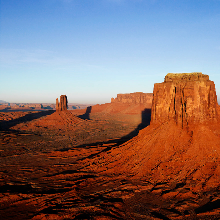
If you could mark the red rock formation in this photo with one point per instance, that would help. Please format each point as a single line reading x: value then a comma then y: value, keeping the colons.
x: 134, y: 98
x: 165, y: 172
x: 130, y: 103
x: 63, y: 103
x: 59, y: 120
x: 186, y: 98
x: 182, y: 142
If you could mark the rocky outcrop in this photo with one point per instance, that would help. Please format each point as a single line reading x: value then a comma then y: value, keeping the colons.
x: 128, y: 103
x: 62, y: 105
x: 133, y: 98
x: 183, y: 139
x: 185, y: 98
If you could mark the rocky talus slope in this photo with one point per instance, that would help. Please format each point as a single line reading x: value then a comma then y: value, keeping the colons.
x: 179, y: 153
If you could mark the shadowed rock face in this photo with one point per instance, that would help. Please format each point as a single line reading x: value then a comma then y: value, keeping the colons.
x: 62, y: 105
x: 187, y: 98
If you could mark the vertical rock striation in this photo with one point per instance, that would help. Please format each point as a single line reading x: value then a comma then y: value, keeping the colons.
x: 185, y: 98
x: 62, y: 105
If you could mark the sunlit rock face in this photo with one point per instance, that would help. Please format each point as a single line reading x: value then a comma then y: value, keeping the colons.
x: 134, y: 98
x: 185, y: 98
x: 63, y: 104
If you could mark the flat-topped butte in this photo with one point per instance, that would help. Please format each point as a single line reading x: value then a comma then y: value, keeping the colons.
x: 195, y: 76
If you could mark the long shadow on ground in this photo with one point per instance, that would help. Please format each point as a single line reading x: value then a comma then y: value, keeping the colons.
x: 86, y: 116
x: 6, y: 125
x: 146, y: 117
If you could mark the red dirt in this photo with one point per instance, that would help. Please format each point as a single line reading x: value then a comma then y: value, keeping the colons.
x: 169, y: 170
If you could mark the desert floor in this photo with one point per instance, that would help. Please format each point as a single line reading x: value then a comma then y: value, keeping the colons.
x: 45, y: 171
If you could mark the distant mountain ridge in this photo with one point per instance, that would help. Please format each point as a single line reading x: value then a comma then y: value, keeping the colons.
x: 1, y: 101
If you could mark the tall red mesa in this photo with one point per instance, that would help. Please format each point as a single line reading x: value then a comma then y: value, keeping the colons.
x: 187, y: 98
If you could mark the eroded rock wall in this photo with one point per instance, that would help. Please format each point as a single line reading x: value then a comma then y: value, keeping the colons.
x: 134, y: 98
x: 185, y: 98
x: 62, y: 105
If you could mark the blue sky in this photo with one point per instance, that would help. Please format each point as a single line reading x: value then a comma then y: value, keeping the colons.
x: 91, y: 50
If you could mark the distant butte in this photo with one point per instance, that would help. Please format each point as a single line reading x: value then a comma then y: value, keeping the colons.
x: 62, y: 105
x: 134, y: 98
x: 128, y: 103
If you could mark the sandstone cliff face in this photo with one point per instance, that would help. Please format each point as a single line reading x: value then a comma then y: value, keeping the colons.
x: 134, y: 98
x: 185, y: 98
x: 62, y: 105
x: 181, y: 144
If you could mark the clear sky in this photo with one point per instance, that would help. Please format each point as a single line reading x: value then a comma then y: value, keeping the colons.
x: 91, y: 50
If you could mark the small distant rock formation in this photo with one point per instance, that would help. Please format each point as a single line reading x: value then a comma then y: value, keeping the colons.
x: 62, y: 105
x: 186, y: 97
x: 32, y: 106
x: 133, y: 98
